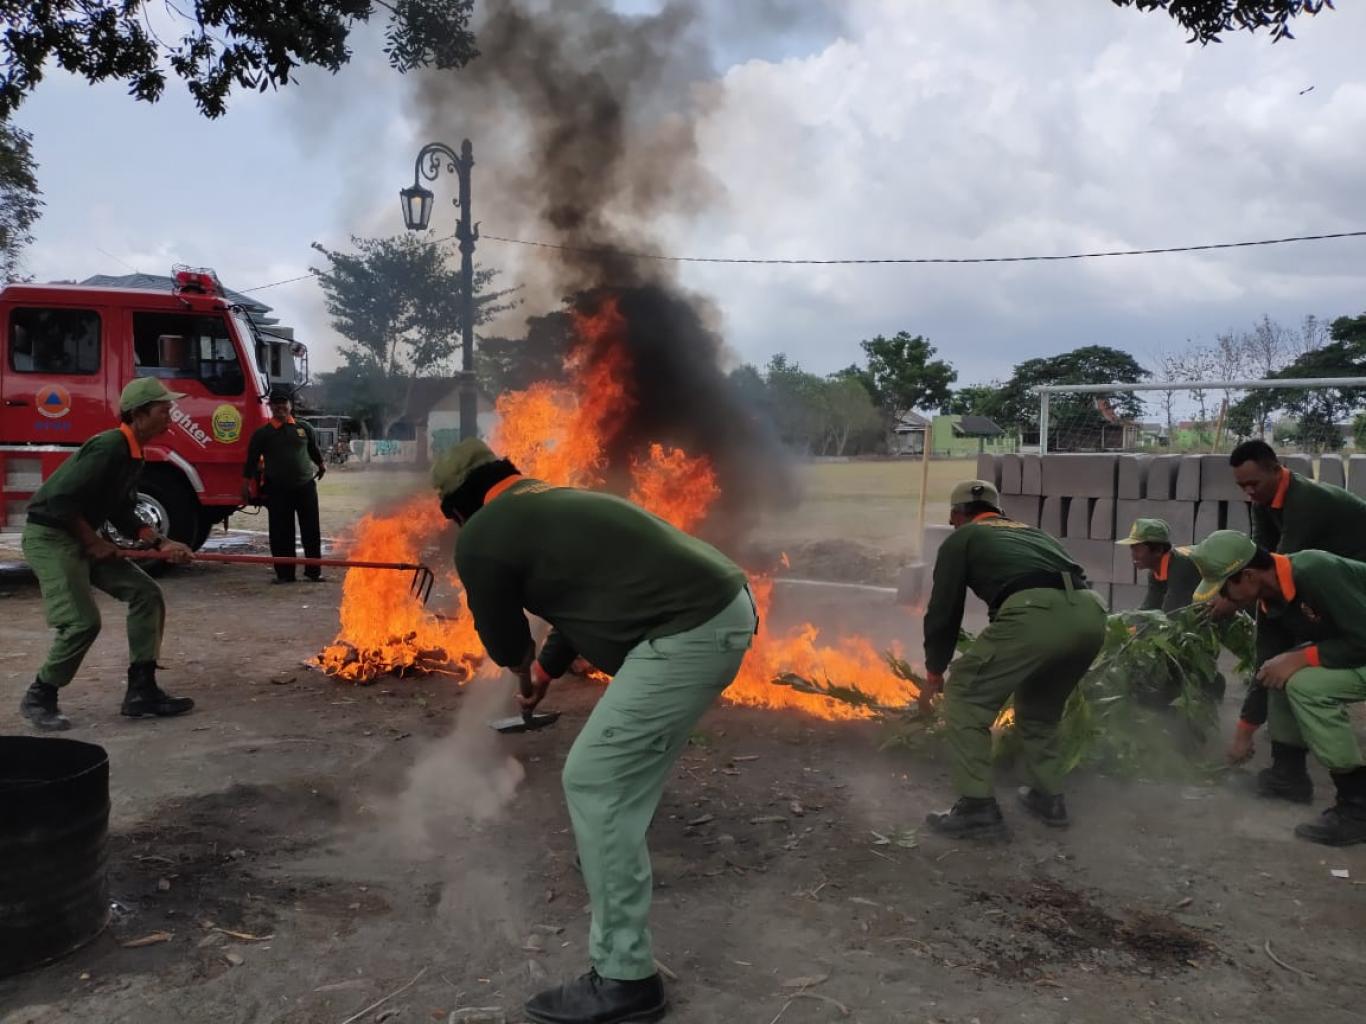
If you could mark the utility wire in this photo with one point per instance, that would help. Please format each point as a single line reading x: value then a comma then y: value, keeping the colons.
x: 588, y: 250
x: 925, y: 259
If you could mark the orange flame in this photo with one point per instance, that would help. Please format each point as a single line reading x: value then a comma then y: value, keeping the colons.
x: 561, y: 434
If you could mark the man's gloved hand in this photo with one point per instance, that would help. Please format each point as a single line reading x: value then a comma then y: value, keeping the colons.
x: 176, y: 552
x: 539, y: 684
x: 1241, y: 749
x: 934, y: 685
x: 246, y: 492
x: 321, y: 470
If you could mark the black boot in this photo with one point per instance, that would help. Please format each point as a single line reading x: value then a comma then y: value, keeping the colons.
x: 1051, y: 810
x: 145, y: 697
x: 593, y: 999
x: 1288, y: 777
x: 39, y: 706
x: 970, y: 818
x: 1343, y: 824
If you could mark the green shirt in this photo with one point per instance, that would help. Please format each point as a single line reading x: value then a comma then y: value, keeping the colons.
x: 986, y: 557
x: 1313, y: 515
x: 1172, y: 585
x: 97, y: 484
x: 603, y: 572
x: 1327, y: 609
x: 291, y: 454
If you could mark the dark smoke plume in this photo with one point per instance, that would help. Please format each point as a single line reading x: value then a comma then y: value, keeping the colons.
x: 583, y: 121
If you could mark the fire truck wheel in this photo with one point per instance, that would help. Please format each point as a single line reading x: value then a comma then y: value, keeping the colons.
x: 168, y: 505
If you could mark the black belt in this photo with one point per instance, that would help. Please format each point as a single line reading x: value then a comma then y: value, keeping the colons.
x: 1041, y: 580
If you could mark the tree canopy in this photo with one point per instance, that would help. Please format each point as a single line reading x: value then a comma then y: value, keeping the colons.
x: 398, y: 303
x: 1316, y: 411
x: 20, y: 205
x: 905, y: 375
x: 1016, y: 405
x: 1207, y: 20
x: 221, y: 44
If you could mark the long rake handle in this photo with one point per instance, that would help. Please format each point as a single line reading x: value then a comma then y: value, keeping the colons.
x: 274, y: 560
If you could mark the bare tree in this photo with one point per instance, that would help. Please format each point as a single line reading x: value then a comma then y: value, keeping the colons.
x: 1268, y: 347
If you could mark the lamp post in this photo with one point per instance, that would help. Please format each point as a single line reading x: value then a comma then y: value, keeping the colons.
x: 417, y: 213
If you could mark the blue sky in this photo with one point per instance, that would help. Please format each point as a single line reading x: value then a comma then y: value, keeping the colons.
x: 902, y: 128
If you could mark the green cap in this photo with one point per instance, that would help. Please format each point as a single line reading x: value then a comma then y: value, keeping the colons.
x: 1148, y: 531
x: 976, y: 490
x: 453, y: 467
x: 143, y: 391
x: 1219, y: 556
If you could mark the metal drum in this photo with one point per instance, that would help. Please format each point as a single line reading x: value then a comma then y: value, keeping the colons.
x: 54, y: 833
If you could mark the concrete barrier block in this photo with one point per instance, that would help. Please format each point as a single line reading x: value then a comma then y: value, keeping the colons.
x: 1126, y: 597
x: 1078, y: 522
x: 1031, y: 474
x: 989, y: 469
x: 1161, y: 477
x: 1122, y: 566
x: 1022, y: 507
x: 1051, y: 518
x: 932, y: 539
x: 1096, y: 557
x: 1332, y: 471
x: 1206, y: 519
x: 1238, y: 516
x: 1187, y: 486
x: 1011, y: 469
x: 1180, y: 516
x: 1356, y: 475
x: 1103, y: 523
x: 1298, y: 463
x: 1133, y: 476
x: 1081, y: 476
x: 1216, y: 479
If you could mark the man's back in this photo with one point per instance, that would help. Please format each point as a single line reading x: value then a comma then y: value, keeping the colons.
x: 1313, y: 516
x: 604, y: 572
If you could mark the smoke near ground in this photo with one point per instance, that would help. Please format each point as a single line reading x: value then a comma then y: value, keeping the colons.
x: 583, y: 120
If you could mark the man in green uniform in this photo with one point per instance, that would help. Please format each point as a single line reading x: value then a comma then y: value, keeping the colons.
x: 1172, y: 577
x: 669, y: 617
x: 1046, y: 628
x: 1316, y: 602
x: 283, y: 456
x: 1290, y: 513
x: 96, y: 485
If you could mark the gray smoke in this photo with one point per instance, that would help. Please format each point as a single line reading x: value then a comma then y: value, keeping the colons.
x: 584, y: 125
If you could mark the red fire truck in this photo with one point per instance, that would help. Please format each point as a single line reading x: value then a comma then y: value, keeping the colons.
x: 68, y: 350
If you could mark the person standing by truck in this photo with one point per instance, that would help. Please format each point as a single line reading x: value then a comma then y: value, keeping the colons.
x: 61, y: 543
x: 285, y: 461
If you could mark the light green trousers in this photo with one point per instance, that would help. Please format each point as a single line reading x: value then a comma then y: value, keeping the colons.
x: 1038, y: 648
x: 65, y: 576
x: 615, y: 773
x: 1312, y: 712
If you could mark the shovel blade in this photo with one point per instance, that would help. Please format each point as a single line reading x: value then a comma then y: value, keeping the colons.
x: 521, y: 723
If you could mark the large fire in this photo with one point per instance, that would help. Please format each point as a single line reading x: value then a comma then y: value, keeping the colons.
x: 561, y: 434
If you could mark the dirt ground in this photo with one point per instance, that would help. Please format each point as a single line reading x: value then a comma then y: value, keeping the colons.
x: 356, y: 839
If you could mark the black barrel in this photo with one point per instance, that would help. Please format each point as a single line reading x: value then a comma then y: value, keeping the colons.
x: 54, y: 835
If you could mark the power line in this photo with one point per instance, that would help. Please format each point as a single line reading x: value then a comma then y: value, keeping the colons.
x: 590, y: 251
x: 923, y: 259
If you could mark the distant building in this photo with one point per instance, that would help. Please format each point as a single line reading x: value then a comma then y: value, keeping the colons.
x: 950, y: 436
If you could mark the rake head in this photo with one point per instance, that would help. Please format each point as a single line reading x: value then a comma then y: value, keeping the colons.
x: 423, y: 580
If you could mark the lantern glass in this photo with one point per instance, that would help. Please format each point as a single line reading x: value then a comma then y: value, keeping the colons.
x: 417, y: 207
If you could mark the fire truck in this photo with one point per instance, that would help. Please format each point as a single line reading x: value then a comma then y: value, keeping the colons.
x: 68, y: 350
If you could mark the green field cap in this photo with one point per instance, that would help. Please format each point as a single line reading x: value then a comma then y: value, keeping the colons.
x: 1148, y: 531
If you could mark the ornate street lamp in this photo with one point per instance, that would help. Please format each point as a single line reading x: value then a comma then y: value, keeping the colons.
x: 417, y: 214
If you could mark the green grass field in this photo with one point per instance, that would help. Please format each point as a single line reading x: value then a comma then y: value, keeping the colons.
x: 871, y: 503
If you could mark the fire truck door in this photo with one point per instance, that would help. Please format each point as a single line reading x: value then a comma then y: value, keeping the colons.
x: 54, y: 373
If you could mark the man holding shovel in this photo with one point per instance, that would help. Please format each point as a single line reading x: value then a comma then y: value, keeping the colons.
x: 668, y: 616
